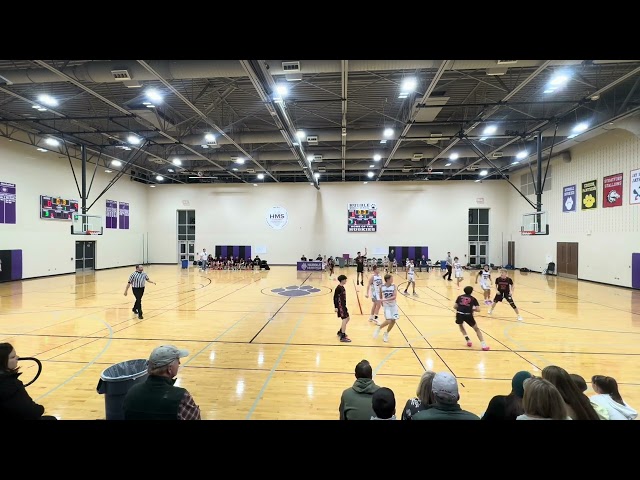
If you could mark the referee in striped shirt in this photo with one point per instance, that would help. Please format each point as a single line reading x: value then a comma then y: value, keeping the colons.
x: 136, y: 282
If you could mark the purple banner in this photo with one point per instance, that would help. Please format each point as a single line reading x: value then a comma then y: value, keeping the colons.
x: 569, y: 199
x: 309, y: 266
x: 112, y: 214
x: 123, y: 213
x: 7, y: 203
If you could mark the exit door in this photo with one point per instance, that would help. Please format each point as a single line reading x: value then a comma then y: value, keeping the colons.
x: 567, y: 263
x: 478, y: 253
x: 186, y: 250
x: 85, y: 256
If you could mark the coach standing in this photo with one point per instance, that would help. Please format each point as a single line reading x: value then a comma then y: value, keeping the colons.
x: 136, y: 282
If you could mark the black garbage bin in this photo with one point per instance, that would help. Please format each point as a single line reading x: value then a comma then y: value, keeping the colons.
x: 116, y: 381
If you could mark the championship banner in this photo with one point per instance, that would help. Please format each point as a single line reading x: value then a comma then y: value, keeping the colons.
x: 634, y: 187
x: 612, y: 191
x: 123, y: 214
x: 112, y: 214
x: 363, y: 217
x: 590, y: 195
x: 7, y: 202
x: 569, y: 203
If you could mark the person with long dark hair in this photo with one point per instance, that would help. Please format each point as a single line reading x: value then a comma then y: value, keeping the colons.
x: 15, y: 402
x: 508, y: 407
x: 609, y: 397
x: 578, y: 404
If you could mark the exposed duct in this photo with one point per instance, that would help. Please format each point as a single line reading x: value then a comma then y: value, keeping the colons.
x: 408, y: 153
x: 101, y: 72
x: 336, y: 166
x: 417, y: 133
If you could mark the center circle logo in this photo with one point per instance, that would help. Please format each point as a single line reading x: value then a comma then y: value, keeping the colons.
x: 277, y: 217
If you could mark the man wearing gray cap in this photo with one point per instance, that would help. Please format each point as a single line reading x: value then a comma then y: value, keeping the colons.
x: 157, y: 398
x: 446, y: 396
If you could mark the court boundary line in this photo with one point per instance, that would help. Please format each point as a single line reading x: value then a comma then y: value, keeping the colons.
x: 83, y: 368
x: 323, y: 372
x: 273, y: 370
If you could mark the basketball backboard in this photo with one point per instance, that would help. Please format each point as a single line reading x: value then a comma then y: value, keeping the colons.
x: 534, y: 223
x: 86, y: 224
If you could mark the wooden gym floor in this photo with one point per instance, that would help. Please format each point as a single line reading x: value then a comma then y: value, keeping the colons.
x: 256, y: 354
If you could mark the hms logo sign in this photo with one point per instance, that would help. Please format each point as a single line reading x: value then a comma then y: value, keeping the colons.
x: 277, y: 217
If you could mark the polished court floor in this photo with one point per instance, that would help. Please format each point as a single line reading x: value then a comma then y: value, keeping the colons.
x: 263, y: 345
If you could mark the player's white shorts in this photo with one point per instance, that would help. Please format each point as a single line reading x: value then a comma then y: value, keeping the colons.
x: 391, y: 312
x: 485, y: 285
x: 411, y: 278
x: 375, y: 295
x: 458, y: 274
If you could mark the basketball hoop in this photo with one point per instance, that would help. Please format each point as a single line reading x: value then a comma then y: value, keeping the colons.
x: 527, y: 232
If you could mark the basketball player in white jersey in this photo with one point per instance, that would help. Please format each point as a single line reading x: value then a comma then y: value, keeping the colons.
x: 485, y: 283
x: 389, y: 294
x: 457, y: 267
x: 375, y: 283
x: 411, y: 277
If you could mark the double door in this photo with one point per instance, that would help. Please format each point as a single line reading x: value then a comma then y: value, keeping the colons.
x: 567, y: 263
x: 478, y: 253
x: 85, y: 255
x: 187, y: 250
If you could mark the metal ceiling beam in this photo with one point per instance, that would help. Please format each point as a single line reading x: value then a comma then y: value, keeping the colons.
x: 345, y: 79
x: 434, y: 81
x: 265, y: 85
x: 559, y: 117
x: 483, y: 116
x: 60, y: 132
x: 206, y: 119
x: 126, y: 112
x: 574, y: 107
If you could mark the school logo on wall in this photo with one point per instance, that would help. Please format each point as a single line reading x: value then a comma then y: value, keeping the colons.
x: 634, y: 187
x: 277, y: 217
x: 590, y: 195
x: 612, y: 191
x: 569, y: 203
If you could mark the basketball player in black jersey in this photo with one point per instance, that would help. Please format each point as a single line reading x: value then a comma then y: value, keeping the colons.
x: 340, y: 305
x: 360, y: 259
x: 504, y: 285
x: 465, y: 306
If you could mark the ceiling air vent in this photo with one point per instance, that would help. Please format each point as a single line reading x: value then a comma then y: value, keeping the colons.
x: 406, y: 169
x: 317, y: 158
x: 251, y: 170
x: 121, y: 75
x: 507, y: 62
x: 292, y: 71
x: 497, y: 154
x: 417, y: 157
x: 312, y: 140
x: 322, y: 169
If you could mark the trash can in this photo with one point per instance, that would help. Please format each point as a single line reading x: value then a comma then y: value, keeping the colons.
x: 185, y: 263
x: 116, y: 381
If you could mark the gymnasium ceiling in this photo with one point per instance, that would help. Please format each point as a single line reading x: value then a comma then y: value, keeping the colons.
x: 342, y: 106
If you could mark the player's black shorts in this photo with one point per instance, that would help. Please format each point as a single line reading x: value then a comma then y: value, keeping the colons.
x: 465, y: 318
x: 499, y: 297
x: 345, y: 314
x: 359, y: 269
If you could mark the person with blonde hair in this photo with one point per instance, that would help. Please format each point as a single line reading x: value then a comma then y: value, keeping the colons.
x: 504, y: 287
x: 542, y: 401
x: 423, y: 398
x: 609, y: 397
